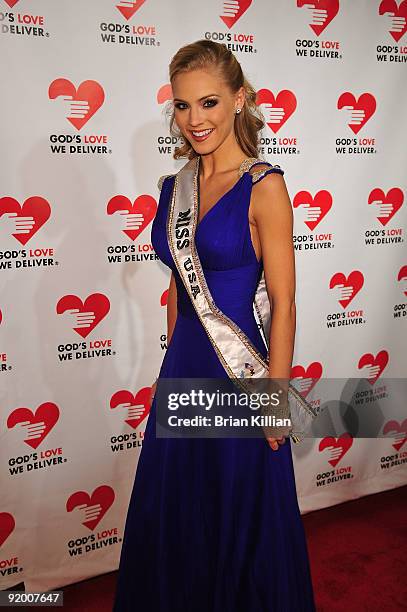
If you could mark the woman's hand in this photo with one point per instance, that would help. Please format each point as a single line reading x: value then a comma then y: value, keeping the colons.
x: 274, y: 442
x: 281, y: 411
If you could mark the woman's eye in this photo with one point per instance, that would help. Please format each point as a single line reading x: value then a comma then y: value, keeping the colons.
x: 207, y: 104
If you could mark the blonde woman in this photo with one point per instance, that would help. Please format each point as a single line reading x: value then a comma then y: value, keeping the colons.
x: 213, y: 524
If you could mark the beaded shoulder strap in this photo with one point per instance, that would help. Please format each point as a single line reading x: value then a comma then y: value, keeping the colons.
x: 162, y: 179
x: 245, y: 166
x: 248, y: 164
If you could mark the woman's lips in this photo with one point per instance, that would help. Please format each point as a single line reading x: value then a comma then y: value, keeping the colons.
x: 201, y: 135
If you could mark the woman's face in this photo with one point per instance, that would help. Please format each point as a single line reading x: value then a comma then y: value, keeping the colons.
x: 205, y: 109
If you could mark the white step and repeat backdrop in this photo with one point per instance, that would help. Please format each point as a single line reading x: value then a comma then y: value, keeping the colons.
x: 82, y: 303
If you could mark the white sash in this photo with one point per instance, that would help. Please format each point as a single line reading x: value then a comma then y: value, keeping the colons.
x: 235, y: 350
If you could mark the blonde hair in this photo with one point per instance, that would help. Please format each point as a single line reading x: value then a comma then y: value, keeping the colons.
x: 207, y: 53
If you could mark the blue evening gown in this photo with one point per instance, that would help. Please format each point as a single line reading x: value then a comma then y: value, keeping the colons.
x: 213, y: 525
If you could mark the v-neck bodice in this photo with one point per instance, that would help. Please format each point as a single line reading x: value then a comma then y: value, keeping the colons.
x: 241, y: 171
x: 227, y: 193
x: 224, y: 246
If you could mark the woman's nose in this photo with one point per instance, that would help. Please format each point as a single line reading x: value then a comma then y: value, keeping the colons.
x: 195, y: 116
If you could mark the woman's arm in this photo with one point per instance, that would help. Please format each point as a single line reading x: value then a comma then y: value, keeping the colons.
x: 171, y: 308
x: 272, y: 212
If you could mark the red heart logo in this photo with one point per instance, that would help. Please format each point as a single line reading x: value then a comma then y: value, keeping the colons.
x: 390, y: 6
x: 144, y: 204
x: 344, y: 442
x: 45, y: 416
x: 126, y: 397
x: 381, y: 360
x: 128, y: 11
x: 90, y: 91
x: 97, y: 303
x: 366, y: 102
x: 7, y: 525
x: 394, y: 196
x: 354, y: 280
x: 322, y: 200
x: 314, y: 371
x: 401, y: 276
x: 103, y: 497
x: 285, y: 99
x: 164, y: 298
x: 164, y: 93
x: 398, y: 428
x: 330, y: 6
x: 35, y: 207
x: 11, y: 3
x: 233, y: 11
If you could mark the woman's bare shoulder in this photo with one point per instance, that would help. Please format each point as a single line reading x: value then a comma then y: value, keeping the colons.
x: 270, y: 198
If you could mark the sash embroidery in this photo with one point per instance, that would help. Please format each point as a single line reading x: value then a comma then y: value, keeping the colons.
x: 240, y: 358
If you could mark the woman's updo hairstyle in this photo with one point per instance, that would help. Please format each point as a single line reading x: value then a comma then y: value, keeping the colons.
x: 204, y: 54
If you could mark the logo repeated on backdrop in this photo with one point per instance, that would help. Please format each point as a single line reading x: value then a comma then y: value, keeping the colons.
x: 83, y: 317
x: 371, y: 366
x: 305, y: 379
x: 400, y: 309
x: 133, y: 409
x: 402, y: 277
x: 32, y: 427
x: 125, y: 33
x: 132, y: 219
x: 310, y: 211
x: 10, y: 565
x: 375, y: 400
x: 22, y: 24
x: 357, y: 111
x: 383, y: 207
x: 399, y: 431
x: 230, y: 12
x: 333, y: 450
x: 90, y: 510
x: 345, y: 289
x: 394, y: 18
x: 78, y: 105
x: 7, y: 526
x: 128, y: 9
x: 166, y: 144
x: 21, y: 222
x: 277, y: 109
x: 318, y: 15
x: 396, y: 431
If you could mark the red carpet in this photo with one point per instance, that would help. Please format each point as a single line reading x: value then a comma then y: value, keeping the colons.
x: 357, y: 551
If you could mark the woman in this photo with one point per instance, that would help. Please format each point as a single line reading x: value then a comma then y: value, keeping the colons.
x: 213, y: 524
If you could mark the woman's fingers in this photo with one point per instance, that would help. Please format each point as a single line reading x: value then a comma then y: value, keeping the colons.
x: 274, y: 442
